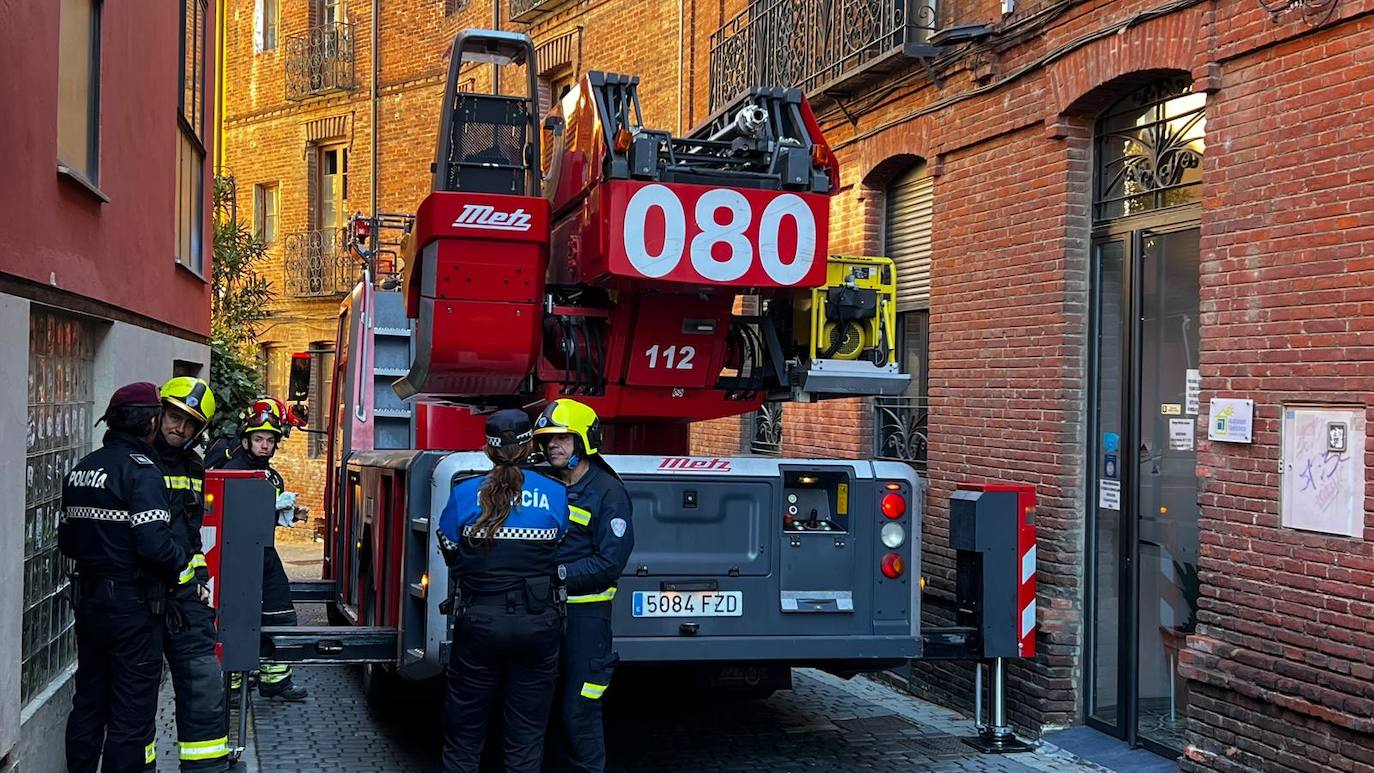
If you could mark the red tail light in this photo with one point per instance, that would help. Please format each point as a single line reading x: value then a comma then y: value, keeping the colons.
x: 893, y: 566
x: 894, y: 506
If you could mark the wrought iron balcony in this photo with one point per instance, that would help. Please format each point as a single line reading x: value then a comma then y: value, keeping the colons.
x: 318, y: 265
x: 816, y: 45
x: 320, y: 61
x: 529, y: 11
x: 900, y: 429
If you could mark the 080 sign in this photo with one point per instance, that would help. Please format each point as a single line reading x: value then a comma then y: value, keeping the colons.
x: 699, y: 235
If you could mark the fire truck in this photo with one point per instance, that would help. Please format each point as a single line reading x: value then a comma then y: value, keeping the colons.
x: 663, y: 281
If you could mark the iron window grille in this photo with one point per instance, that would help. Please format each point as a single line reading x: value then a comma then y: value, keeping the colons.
x: 765, y: 437
x: 900, y: 429
x: 526, y: 11
x: 1149, y: 150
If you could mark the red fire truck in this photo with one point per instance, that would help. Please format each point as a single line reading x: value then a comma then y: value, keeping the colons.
x: 663, y: 281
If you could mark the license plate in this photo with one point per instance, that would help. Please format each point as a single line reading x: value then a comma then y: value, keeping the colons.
x: 696, y: 603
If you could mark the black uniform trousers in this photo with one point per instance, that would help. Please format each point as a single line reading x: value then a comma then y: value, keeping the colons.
x: 118, y: 667
x: 587, y: 664
x: 505, y: 649
x: 277, y: 609
x: 202, y: 725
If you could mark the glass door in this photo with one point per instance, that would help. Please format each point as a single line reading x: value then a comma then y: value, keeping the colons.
x: 1143, y: 499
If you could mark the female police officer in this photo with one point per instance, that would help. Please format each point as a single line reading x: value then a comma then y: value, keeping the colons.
x: 499, y: 534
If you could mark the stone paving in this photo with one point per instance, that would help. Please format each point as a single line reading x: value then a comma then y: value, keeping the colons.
x: 824, y: 723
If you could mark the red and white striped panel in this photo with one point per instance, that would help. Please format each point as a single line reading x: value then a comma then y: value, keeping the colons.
x: 1025, y: 550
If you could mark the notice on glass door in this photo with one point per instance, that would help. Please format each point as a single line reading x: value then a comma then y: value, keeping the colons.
x: 1181, y: 434
x: 1109, y: 494
x: 1192, y: 392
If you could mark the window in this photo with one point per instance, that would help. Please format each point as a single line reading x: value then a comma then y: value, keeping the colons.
x: 1149, y: 150
x: 265, y: 19
x: 61, y: 404
x: 266, y: 204
x: 273, y: 362
x: 190, y: 169
x: 329, y: 11
x: 78, y: 89
x: 186, y: 368
x: 332, y: 188
x: 454, y: 6
x: 321, y: 382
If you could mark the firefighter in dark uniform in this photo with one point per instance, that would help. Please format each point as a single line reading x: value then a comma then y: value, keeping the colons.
x: 499, y: 535
x: 591, y: 559
x: 188, y: 406
x: 116, y: 527
x: 259, y: 436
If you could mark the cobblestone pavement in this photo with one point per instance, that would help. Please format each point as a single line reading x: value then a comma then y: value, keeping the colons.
x: 824, y: 723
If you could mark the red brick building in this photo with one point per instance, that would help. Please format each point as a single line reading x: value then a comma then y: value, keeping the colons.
x: 104, y: 270
x: 1109, y: 216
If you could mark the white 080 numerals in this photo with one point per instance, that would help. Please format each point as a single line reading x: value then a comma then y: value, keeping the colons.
x: 674, y: 358
x: 731, y: 234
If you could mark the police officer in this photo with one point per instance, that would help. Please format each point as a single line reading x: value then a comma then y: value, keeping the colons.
x: 260, y: 435
x: 188, y: 405
x: 115, y: 527
x: 499, y: 534
x: 591, y: 558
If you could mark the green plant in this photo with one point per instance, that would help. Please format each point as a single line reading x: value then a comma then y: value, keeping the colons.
x: 239, y: 299
x: 1191, y: 585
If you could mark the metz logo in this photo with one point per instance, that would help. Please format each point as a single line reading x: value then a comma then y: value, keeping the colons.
x: 487, y: 217
x: 687, y: 464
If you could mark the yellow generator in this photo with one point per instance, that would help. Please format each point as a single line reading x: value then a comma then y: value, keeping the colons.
x: 848, y: 328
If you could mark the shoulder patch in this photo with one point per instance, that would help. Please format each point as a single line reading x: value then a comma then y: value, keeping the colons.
x: 141, y: 460
x: 618, y: 526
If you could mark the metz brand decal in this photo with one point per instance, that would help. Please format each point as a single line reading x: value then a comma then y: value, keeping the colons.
x: 490, y: 218
x: 688, y: 464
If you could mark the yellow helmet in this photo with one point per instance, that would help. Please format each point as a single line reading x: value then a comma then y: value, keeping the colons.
x: 191, y: 395
x: 569, y: 417
x: 264, y: 416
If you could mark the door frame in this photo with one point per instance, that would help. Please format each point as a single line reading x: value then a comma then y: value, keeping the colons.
x: 1131, y: 231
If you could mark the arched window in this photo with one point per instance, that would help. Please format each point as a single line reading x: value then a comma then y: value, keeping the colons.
x: 1149, y: 151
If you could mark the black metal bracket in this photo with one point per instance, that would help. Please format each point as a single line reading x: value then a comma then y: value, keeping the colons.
x: 312, y: 591
x: 329, y: 645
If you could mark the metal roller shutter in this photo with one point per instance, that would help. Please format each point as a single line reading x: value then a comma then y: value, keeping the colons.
x: 907, y: 235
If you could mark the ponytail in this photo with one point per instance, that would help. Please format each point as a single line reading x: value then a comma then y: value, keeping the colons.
x: 499, y: 492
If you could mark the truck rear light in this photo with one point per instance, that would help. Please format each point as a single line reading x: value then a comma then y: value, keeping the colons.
x: 893, y: 566
x: 894, y: 506
x: 893, y: 535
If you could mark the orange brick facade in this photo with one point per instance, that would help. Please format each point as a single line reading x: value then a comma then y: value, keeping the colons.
x: 1279, y: 668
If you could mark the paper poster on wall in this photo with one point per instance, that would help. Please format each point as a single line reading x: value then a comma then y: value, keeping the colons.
x: 1192, y: 392
x: 1109, y: 494
x: 1230, y: 420
x: 1322, y: 485
x: 1181, y: 434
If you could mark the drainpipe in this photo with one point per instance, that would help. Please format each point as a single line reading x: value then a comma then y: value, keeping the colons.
x: 376, y: 97
x: 496, y: 68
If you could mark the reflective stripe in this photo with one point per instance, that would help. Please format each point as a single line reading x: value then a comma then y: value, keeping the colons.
x: 605, y: 595
x: 197, y: 561
x: 177, y: 481
x: 95, y: 514
x: 446, y: 543
x: 188, y: 574
x: 593, y: 691
x: 272, y: 673
x: 150, y: 516
x: 205, y: 750
x: 579, y: 516
x: 513, y: 533
x: 150, y: 753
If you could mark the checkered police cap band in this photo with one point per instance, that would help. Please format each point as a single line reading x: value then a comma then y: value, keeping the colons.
x: 509, y: 439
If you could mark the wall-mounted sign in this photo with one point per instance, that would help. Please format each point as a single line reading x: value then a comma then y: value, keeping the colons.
x: 1171, y: 409
x: 1192, y: 391
x: 1322, y: 485
x: 1231, y: 420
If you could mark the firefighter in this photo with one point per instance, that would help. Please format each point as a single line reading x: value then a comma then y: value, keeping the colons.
x: 259, y: 436
x: 591, y: 559
x: 499, y: 534
x: 115, y: 527
x: 188, y: 406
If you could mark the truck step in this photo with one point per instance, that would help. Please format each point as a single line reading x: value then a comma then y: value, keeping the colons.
x: 312, y: 591
x: 330, y: 645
